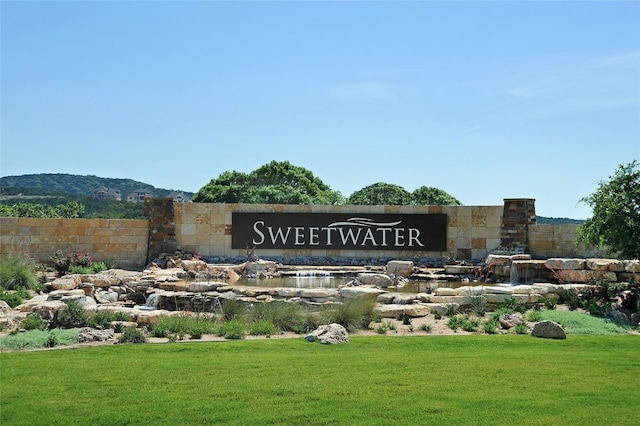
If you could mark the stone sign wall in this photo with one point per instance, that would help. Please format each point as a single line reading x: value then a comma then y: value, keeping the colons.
x: 118, y: 242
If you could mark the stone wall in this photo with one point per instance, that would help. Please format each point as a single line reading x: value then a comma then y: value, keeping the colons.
x: 547, y: 241
x: 121, y: 242
x: 472, y: 231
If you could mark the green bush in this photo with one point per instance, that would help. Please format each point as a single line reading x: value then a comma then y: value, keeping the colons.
x: 455, y: 322
x: 263, y: 327
x: 74, y: 315
x: 76, y: 263
x: 102, y: 319
x: 490, y: 327
x: 511, y: 305
x: 39, y: 339
x: 548, y: 302
x: 426, y: 328
x: 471, y: 324
x: 355, y: 313
x: 18, y: 270
x: 572, y: 299
x: 534, y: 316
x: 132, y: 335
x: 284, y: 315
x: 14, y: 298
x: 231, y: 309
x: 34, y: 321
x: 233, y: 329
x: 181, y: 325
x: 521, y: 329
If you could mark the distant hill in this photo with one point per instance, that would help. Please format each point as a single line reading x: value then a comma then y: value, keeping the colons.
x: 79, y: 185
x: 541, y: 220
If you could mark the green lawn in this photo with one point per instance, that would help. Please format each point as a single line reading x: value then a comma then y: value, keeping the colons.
x: 379, y: 380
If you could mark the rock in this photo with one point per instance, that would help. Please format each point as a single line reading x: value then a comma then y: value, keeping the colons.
x: 605, y: 265
x: 471, y: 290
x: 330, y: 334
x: 351, y: 292
x: 68, y: 282
x: 459, y: 269
x: 92, y: 335
x: 443, y: 308
x: 585, y: 276
x: 508, y: 321
x: 106, y: 296
x: 549, y: 330
x: 5, y: 309
x: 564, y: 264
x: 635, y: 318
x: 194, y: 265
x: 618, y: 316
x: 378, y: 280
x: 260, y: 268
x: 631, y: 265
x: 402, y: 268
x: 445, y: 291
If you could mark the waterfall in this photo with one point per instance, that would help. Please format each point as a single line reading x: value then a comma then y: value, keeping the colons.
x: 313, y: 273
x: 514, y: 275
x: 152, y: 301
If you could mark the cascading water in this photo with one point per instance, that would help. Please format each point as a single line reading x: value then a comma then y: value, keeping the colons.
x: 152, y: 302
x: 514, y: 275
x: 313, y: 279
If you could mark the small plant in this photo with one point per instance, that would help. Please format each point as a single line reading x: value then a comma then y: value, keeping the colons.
x: 534, y: 316
x: 521, y: 329
x: 437, y: 315
x: 470, y: 324
x: 355, y: 313
x: 406, y: 319
x: 384, y: 327
x: 52, y: 341
x: 548, y: 302
x: 511, y: 305
x: 263, y: 328
x: 572, y: 299
x: 426, y: 328
x: 231, y: 309
x: 410, y: 328
x: 490, y: 327
x: 76, y: 263
x: 34, y: 321
x: 455, y: 322
x: 74, y: 315
x: 478, y: 305
x: 132, y: 335
x: 14, y: 298
x: 233, y: 329
x: 18, y: 270
x: 450, y: 309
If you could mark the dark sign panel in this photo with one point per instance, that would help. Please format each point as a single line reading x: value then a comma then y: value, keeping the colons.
x: 338, y: 231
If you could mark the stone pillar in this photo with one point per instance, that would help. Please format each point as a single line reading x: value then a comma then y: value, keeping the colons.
x: 517, y: 215
x: 162, y: 226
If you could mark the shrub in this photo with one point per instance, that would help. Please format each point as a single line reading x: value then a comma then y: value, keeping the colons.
x: 478, y: 305
x: 548, y: 302
x: 511, y: 305
x: 14, y: 298
x: 132, y: 335
x: 455, y: 322
x: 406, y: 319
x: 355, y: 313
x: 74, y: 315
x: 195, y: 326
x: 18, y: 270
x: 76, y: 263
x: 231, y: 309
x: 283, y: 315
x: 470, y: 324
x: 385, y: 326
x: 34, y: 321
x: 263, y: 327
x: 534, y: 316
x: 521, y: 329
x: 233, y: 329
x: 490, y: 327
x: 425, y: 327
x: 572, y: 299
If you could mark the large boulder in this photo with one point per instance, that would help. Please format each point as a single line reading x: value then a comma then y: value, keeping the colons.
x: 378, y: 280
x: 549, y: 330
x: 565, y: 264
x: 605, y: 265
x: 400, y: 268
x: 88, y: 334
x: 508, y: 321
x: 329, y: 334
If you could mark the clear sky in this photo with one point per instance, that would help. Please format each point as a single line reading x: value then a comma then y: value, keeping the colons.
x: 484, y: 100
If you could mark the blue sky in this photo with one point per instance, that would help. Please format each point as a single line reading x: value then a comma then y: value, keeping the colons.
x: 485, y: 100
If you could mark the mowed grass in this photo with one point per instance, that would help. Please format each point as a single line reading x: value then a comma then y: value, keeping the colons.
x: 376, y: 380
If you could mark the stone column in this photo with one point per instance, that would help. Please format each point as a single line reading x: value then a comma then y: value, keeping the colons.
x: 162, y: 226
x: 517, y: 215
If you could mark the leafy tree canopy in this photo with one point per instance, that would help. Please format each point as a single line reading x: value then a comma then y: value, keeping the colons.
x: 273, y: 183
x: 381, y: 193
x: 71, y: 209
x: 616, y: 213
x: 429, y: 196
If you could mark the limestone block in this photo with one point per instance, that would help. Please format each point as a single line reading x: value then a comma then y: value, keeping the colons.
x: 497, y: 260
x: 497, y: 298
x: 565, y: 264
x: 397, y: 310
x: 329, y: 334
x: 351, y: 292
x: 423, y: 297
x: 285, y: 292
x: 631, y: 265
x: 522, y: 289
x: 379, y: 280
x: 458, y: 300
x: 401, y: 268
x: 459, y: 269
x: 549, y: 330
x: 605, y: 265
x: 386, y: 298
x: 317, y: 293
x: 585, y: 276
x: 471, y: 290
x: 508, y: 290
x: 443, y: 308
x: 544, y: 288
x: 68, y: 282
x: 445, y: 291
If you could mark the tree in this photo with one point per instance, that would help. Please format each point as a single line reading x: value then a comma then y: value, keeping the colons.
x: 381, y: 194
x: 272, y: 183
x: 429, y: 196
x: 615, y: 224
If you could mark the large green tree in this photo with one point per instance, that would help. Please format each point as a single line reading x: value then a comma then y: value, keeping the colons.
x: 274, y: 183
x: 430, y: 196
x: 381, y: 193
x: 615, y: 224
